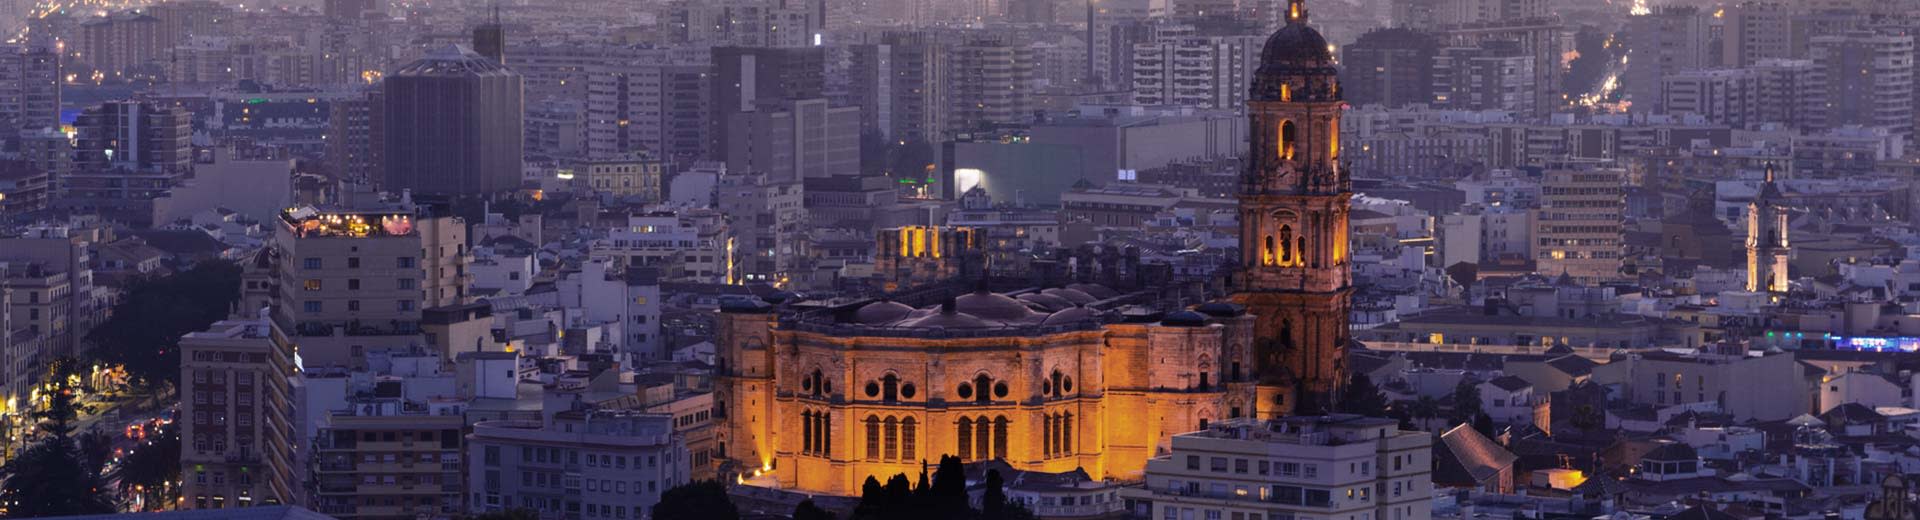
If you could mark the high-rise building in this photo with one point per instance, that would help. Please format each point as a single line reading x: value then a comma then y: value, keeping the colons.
x: 627, y: 459
x: 1767, y: 247
x: 30, y: 79
x: 1545, y: 39
x: 125, y: 155
x: 1336, y: 466
x: 1725, y: 96
x: 1578, y: 230
x: 749, y: 79
x: 113, y: 44
x: 900, y: 85
x: 1664, y: 43
x: 1494, y: 75
x: 237, y: 413
x: 1786, y: 90
x: 1392, y: 67
x: 1197, y: 71
x: 1294, y: 276
x: 1868, y: 80
x: 1757, y: 30
x: 453, y: 125
x: 769, y: 217
x: 806, y: 140
x: 348, y: 279
x: 355, y: 136
x: 991, y: 83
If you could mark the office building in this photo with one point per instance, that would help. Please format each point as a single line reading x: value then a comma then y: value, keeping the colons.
x: 1336, y: 466
x: 1665, y: 42
x: 30, y: 79
x: 749, y: 79
x: 807, y: 139
x: 1868, y: 80
x: 1729, y: 97
x: 237, y: 413
x: 1391, y: 67
x: 992, y: 83
x: 452, y: 125
x: 1494, y: 75
x: 614, y: 463
x: 1578, y: 230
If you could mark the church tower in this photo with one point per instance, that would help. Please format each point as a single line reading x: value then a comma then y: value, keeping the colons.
x: 1767, y: 247
x: 1294, y: 195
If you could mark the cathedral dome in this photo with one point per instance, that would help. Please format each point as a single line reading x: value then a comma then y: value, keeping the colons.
x: 1184, y: 319
x: 992, y: 306
x: 1075, y: 296
x: 1296, y: 45
x: 1048, y: 301
x: 877, y: 313
x: 1094, y: 290
x: 1068, y: 316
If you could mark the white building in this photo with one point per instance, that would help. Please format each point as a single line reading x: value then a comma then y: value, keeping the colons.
x: 1339, y: 466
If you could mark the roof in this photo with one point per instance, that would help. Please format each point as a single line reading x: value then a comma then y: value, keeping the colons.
x: 182, y: 243
x: 1701, y: 512
x: 241, y: 513
x: 1465, y: 457
x: 1852, y: 413
x: 1510, y: 383
x: 1572, y: 365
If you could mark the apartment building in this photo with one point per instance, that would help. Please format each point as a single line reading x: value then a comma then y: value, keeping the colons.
x: 236, y: 417
x: 608, y: 464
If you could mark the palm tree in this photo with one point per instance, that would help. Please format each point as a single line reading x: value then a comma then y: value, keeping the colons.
x: 152, y: 469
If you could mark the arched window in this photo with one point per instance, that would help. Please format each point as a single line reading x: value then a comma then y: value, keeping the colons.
x: 1046, y: 436
x: 982, y: 442
x: 1000, y: 438
x: 889, y: 388
x: 965, y: 435
x: 806, y: 433
x: 1286, y: 236
x: 1287, y: 136
x: 1066, y: 434
x: 1204, y: 384
x: 1300, y: 250
x: 981, y: 384
x: 1267, y: 254
x: 873, y: 437
x: 893, y: 439
x: 826, y: 435
x: 907, y: 439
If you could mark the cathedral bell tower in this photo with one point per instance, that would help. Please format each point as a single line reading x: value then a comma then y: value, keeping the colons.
x: 1294, y: 195
x: 1767, y: 248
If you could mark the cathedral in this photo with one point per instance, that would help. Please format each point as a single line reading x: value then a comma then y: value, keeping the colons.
x: 1093, y: 364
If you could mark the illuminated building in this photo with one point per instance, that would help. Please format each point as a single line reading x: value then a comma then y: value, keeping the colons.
x: 1294, y: 203
x: 1337, y: 466
x: 635, y: 175
x: 1767, y: 249
x: 346, y: 281
x: 237, y: 446
x: 1073, y: 370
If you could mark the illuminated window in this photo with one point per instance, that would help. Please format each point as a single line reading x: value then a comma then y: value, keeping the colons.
x: 1287, y: 136
x: 1436, y: 338
x: 311, y: 285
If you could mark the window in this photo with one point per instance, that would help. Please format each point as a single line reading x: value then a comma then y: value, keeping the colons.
x: 310, y: 263
x: 310, y: 306
x: 353, y: 262
x: 404, y: 262
x: 1217, y: 464
x: 353, y: 284
x: 1240, y: 466
x: 311, y: 285
x: 405, y: 283
x: 353, y: 305
x: 404, y: 305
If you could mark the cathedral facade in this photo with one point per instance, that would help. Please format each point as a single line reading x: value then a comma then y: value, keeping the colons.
x: 1098, y: 373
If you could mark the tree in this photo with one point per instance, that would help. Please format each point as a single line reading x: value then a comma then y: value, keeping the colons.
x: 51, y: 478
x: 994, y: 504
x: 807, y: 511
x: 1466, y: 402
x: 702, y: 500
x: 153, y: 467
x: 144, y: 332
x: 1483, y: 424
x: 1361, y: 397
